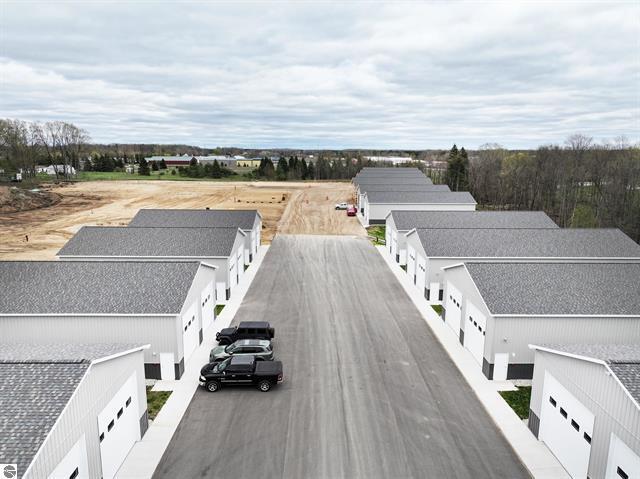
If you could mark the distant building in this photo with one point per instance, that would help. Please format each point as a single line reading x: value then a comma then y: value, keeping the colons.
x: 60, y: 169
x: 249, y: 163
x: 396, y: 160
x: 227, y: 161
x: 182, y: 160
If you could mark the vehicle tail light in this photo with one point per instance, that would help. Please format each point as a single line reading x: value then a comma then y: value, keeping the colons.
x: 280, y: 378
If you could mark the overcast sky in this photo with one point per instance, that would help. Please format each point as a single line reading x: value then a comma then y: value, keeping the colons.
x: 325, y: 75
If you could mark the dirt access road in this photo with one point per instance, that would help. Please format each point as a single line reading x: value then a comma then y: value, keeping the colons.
x: 289, y: 207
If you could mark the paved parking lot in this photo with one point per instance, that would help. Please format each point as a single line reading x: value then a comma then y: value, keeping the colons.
x: 368, y: 392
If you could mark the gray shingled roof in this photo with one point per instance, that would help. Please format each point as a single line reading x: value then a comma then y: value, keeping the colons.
x: 36, y: 383
x: 403, y: 187
x: 407, y: 220
x: 528, y: 243
x: 629, y: 375
x: 120, y: 241
x: 599, y: 289
x: 409, y: 180
x: 401, y: 171
x: 94, y: 287
x: 623, y: 360
x: 243, y: 219
x: 33, y: 396
x: 416, y: 197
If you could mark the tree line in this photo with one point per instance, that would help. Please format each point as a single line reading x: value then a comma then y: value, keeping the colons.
x: 24, y: 145
x: 578, y: 184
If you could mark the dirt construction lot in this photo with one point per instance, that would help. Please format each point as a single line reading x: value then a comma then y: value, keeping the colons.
x: 287, y: 207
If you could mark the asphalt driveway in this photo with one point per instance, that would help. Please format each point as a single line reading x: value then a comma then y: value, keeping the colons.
x: 368, y: 391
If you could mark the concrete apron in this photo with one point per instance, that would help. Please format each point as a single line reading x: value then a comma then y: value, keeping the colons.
x: 535, y: 456
x: 144, y: 457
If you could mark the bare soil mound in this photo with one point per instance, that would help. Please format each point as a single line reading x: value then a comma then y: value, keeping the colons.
x: 14, y: 199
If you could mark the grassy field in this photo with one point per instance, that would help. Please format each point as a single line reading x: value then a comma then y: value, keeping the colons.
x: 155, y: 401
x: 437, y: 308
x: 518, y: 400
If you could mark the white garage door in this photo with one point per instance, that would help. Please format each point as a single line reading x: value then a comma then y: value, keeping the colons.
x: 474, y: 332
x: 421, y: 273
x: 394, y: 245
x: 566, y: 427
x: 208, y: 305
x: 453, y: 308
x: 190, y: 331
x: 233, y: 275
x: 254, y: 246
x: 240, y: 263
x: 118, y: 427
x: 75, y: 463
x: 622, y: 462
x: 411, y: 263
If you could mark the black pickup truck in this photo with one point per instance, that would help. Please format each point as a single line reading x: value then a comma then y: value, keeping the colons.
x: 241, y: 371
x: 246, y: 330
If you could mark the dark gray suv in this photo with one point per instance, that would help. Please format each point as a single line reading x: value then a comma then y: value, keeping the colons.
x: 259, y: 348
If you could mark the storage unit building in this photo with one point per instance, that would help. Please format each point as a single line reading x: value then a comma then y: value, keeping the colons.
x: 585, y: 406
x: 220, y: 247
x: 249, y: 221
x: 164, y: 304
x: 430, y: 250
x: 378, y: 204
x: 400, y: 222
x: 498, y: 309
x: 368, y: 187
x: 70, y: 410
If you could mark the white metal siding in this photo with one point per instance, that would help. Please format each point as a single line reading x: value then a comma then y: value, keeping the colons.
x: 94, y: 392
x: 520, y: 332
x: 613, y: 409
x: 159, y: 331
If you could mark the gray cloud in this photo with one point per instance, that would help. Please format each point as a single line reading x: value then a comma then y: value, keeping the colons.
x: 324, y: 74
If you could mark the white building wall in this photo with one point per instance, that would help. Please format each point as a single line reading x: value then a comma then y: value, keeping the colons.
x: 80, y: 417
x: 514, y: 334
x: 600, y: 392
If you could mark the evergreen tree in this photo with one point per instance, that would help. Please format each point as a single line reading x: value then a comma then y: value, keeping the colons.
x: 163, y: 164
x: 282, y: 169
x: 453, y: 168
x: 154, y: 166
x: 143, y: 169
x: 87, y: 165
x: 311, y: 171
x: 304, y: 169
x: 266, y: 169
x: 216, y: 170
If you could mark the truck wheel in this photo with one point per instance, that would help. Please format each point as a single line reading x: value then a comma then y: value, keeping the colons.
x: 213, y: 386
x: 264, y: 385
